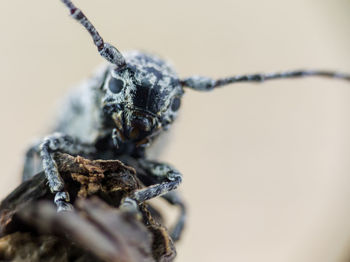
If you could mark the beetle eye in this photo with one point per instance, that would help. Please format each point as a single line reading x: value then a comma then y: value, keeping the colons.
x: 175, y: 104
x: 115, y: 85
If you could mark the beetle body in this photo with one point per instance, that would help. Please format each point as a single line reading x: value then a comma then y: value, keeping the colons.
x: 121, y: 110
x: 116, y: 114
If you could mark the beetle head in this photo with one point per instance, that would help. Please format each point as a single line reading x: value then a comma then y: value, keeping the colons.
x: 143, y: 97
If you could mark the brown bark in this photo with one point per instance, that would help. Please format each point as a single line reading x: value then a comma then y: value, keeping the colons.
x: 32, y: 230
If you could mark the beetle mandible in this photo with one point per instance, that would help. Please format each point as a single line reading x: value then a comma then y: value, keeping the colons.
x: 121, y: 110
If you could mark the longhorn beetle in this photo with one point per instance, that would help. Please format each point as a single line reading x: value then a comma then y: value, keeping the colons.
x: 121, y: 110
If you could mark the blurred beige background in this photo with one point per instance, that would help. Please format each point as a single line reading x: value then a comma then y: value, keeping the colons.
x: 267, y: 171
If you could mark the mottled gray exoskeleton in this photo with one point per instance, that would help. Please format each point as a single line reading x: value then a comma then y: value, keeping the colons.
x: 121, y: 110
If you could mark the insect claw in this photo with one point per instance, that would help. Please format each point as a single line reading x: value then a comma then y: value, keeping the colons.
x: 65, y: 207
x: 130, y: 206
x: 62, y: 201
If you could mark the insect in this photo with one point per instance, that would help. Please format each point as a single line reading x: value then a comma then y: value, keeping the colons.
x: 122, y: 110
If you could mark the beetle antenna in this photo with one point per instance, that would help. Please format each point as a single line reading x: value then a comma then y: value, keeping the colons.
x: 201, y: 83
x: 107, y: 51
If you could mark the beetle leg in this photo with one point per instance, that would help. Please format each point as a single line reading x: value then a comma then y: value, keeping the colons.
x: 165, y: 179
x: 59, y: 143
x: 174, y: 198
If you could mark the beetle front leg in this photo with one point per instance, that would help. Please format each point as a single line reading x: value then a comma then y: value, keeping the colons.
x: 59, y: 143
x: 165, y: 179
